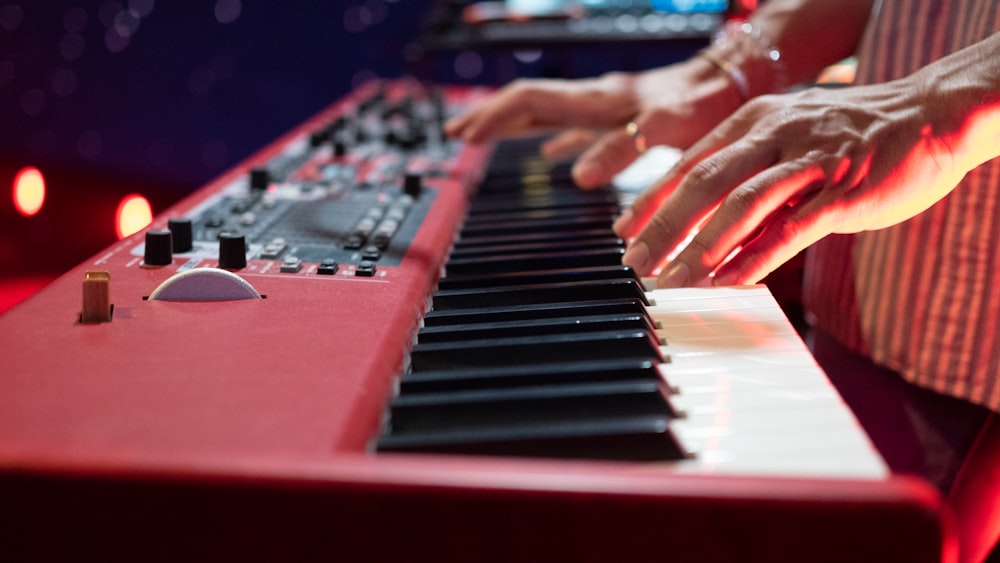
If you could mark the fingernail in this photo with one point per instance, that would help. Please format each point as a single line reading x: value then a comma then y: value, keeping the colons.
x: 676, y: 275
x: 587, y: 172
x: 723, y: 280
x: 622, y: 223
x: 637, y: 256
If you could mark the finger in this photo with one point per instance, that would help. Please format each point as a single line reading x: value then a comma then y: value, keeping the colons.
x: 528, y: 104
x: 788, y: 233
x: 508, y: 110
x: 455, y: 126
x: 497, y: 122
x: 609, y: 155
x: 458, y: 125
x: 700, y: 191
x: 646, y: 204
x: 568, y: 143
x: 741, y: 213
x: 620, y: 147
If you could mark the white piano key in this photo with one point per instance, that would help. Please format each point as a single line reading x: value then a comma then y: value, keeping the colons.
x: 754, y: 400
x: 717, y: 378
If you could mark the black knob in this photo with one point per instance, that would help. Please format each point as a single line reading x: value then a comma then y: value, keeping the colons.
x: 410, y: 137
x: 317, y: 138
x: 158, y: 248
x: 438, y: 103
x: 182, y: 232
x: 232, y: 251
x: 339, y: 149
x: 260, y: 178
x: 413, y: 184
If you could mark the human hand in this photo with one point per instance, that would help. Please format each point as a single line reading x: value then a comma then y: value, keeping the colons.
x: 785, y: 171
x: 674, y: 106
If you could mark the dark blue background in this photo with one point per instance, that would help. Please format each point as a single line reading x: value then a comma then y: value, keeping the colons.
x: 188, y: 95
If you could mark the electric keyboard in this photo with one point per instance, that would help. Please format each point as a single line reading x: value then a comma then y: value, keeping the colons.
x: 329, y: 352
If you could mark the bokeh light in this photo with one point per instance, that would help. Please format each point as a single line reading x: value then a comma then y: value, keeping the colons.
x: 29, y: 191
x: 133, y: 215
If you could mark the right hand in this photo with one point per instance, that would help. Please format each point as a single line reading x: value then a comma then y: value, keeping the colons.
x: 674, y: 105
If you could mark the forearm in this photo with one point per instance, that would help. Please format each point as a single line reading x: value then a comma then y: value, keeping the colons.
x: 813, y: 34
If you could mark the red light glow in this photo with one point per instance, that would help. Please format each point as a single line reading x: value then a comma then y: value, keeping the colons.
x: 134, y: 214
x: 29, y: 191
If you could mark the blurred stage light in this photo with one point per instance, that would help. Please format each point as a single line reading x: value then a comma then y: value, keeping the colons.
x: 29, y: 191
x: 134, y: 213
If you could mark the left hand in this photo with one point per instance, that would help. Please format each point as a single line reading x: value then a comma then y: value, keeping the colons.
x: 673, y: 105
x: 784, y: 171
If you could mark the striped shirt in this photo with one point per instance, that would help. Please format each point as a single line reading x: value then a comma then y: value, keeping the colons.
x: 922, y: 297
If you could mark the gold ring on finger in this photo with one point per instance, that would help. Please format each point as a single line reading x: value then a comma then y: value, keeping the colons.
x: 638, y: 139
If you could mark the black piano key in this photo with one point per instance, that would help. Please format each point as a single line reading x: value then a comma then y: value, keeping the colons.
x: 587, y: 290
x: 518, y: 406
x: 524, y: 185
x: 528, y: 146
x: 535, y: 173
x: 562, y: 325
x: 538, y: 276
x: 530, y: 374
x: 571, y: 198
x: 525, y: 147
x: 532, y: 237
x: 537, y: 311
x: 512, y: 177
x: 533, y: 349
x: 607, y: 243
x: 541, y: 196
x: 536, y: 261
x: 628, y: 439
x: 541, y: 214
x: 517, y: 156
x: 569, y: 223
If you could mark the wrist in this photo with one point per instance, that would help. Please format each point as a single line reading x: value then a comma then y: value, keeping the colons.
x: 748, y: 59
x: 961, y: 97
x: 710, y: 81
x: 973, y: 133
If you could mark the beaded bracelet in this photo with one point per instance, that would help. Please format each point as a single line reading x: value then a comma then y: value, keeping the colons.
x: 741, y: 40
x: 744, y: 29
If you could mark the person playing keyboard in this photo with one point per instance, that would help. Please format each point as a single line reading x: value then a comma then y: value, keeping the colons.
x: 893, y: 183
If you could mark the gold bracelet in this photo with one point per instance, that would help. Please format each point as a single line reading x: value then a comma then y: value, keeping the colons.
x: 733, y: 72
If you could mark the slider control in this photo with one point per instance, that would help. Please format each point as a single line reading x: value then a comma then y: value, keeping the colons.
x: 96, y: 298
x: 413, y: 184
